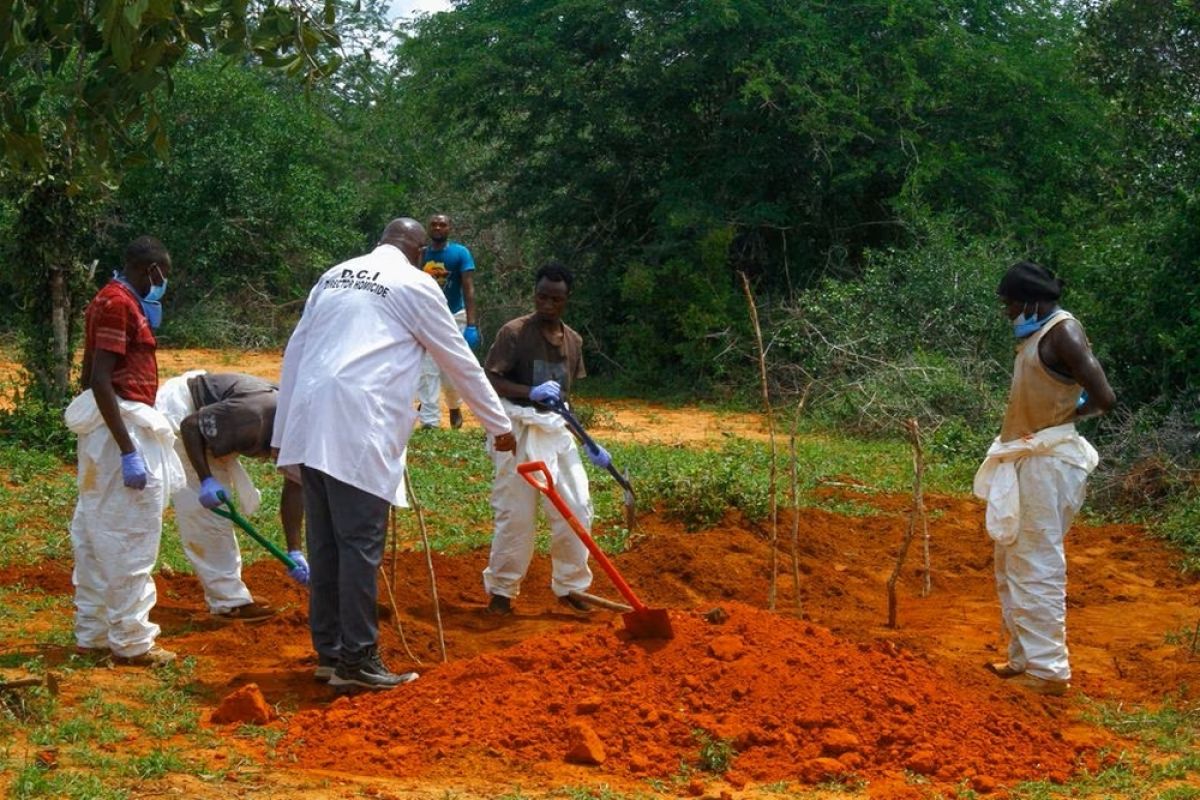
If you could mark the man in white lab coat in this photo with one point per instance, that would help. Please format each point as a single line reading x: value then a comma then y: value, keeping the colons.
x: 345, y: 416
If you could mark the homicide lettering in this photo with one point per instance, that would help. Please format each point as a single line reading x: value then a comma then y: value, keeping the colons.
x: 362, y: 280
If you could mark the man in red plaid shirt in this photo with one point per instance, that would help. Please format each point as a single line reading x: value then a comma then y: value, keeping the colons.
x: 127, y: 463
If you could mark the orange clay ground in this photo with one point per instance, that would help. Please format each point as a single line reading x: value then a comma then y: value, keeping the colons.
x: 548, y: 699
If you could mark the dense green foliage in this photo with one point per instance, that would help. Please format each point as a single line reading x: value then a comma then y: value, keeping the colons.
x: 871, y: 168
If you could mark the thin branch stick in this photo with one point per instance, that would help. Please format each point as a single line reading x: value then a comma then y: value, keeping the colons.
x: 387, y: 583
x: 914, y: 431
x: 796, y: 501
x: 918, y: 509
x: 762, y: 371
x: 437, y: 607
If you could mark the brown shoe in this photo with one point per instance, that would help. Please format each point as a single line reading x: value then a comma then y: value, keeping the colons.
x: 1003, y: 669
x: 500, y: 606
x: 455, y: 418
x: 250, y: 612
x: 154, y: 657
x: 1040, y: 685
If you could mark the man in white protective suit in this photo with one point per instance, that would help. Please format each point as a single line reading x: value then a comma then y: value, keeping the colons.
x: 533, y: 364
x: 127, y: 463
x: 1035, y: 474
x: 217, y: 417
x: 345, y: 416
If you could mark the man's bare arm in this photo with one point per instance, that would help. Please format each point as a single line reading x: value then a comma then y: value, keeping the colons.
x: 103, y: 362
x: 1069, y: 353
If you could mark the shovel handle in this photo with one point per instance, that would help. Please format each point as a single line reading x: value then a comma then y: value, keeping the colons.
x: 243, y: 523
x: 545, y: 485
x: 577, y: 428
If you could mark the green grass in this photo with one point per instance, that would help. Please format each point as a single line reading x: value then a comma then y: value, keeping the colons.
x: 1174, y: 726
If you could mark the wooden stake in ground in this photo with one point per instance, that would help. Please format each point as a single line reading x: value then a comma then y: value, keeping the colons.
x: 795, y: 474
x: 388, y: 583
x: 918, y: 511
x: 437, y: 607
x: 766, y: 394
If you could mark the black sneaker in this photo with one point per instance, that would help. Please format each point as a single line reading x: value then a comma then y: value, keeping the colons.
x: 325, y: 668
x: 370, y: 673
x: 575, y: 604
x: 500, y: 605
x: 455, y: 418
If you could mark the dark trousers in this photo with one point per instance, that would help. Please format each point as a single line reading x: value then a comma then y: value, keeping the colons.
x: 346, y: 529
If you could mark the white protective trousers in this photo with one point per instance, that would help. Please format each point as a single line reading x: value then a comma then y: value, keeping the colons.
x: 541, y: 436
x: 115, y: 532
x: 434, y: 382
x: 208, y: 539
x: 1034, y: 487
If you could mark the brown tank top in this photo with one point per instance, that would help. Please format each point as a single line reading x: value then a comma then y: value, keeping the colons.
x: 1038, y: 398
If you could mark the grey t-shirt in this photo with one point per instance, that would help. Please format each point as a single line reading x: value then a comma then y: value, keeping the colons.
x: 235, y: 412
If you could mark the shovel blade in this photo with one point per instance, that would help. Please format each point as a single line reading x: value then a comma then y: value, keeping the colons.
x: 652, y: 623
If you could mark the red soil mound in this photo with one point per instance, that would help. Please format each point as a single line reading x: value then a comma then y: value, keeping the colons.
x: 795, y: 700
x: 246, y: 704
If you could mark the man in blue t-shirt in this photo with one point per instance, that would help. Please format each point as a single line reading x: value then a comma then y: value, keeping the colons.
x: 451, y: 265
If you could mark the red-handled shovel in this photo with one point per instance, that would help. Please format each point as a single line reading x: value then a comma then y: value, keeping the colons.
x: 642, y: 622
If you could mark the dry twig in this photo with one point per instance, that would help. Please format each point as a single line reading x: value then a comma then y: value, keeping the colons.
x: 437, y: 607
x: 762, y: 370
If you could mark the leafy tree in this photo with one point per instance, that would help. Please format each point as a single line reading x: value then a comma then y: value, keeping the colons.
x: 629, y: 136
x: 1137, y: 264
x: 257, y: 194
x: 79, y: 87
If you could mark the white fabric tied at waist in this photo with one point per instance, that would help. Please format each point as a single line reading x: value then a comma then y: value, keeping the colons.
x: 545, y: 432
x: 157, y: 440
x: 175, y: 401
x: 996, y: 479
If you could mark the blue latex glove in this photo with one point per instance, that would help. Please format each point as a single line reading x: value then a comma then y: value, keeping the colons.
x: 598, y: 456
x: 133, y: 470
x: 471, y: 334
x: 547, y: 393
x: 212, y: 493
x: 1082, y: 399
x: 301, y: 572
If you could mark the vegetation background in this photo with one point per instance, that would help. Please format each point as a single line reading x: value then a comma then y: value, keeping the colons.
x: 871, y: 167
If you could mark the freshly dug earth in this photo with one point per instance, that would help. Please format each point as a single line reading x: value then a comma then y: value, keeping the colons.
x: 795, y: 700
x: 821, y: 691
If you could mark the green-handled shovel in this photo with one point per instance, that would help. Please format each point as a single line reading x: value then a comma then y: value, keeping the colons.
x: 243, y: 523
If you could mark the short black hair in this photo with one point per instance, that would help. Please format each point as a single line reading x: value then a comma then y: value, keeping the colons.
x: 1027, y: 282
x: 554, y: 271
x: 145, y: 250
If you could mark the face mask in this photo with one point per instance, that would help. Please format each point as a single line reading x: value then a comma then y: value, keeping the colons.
x: 1025, y: 326
x: 157, y: 290
x: 151, y: 306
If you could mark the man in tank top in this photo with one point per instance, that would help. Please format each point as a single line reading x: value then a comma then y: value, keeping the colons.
x: 1035, y: 473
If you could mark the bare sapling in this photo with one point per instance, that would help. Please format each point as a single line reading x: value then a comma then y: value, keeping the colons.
x: 389, y: 583
x: 795, y: 498
x: 433, y: 591
x: 766, y: 395
x: 916, y: 513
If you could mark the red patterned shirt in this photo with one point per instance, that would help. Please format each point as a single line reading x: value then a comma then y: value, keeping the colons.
x: 115, y: 322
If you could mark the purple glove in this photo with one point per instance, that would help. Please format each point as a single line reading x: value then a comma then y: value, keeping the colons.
x: 547, y: 393
x: 599, y: 456
x: 300, y: 573
x: 471, y: 334
x: 133, y: 470
x: 212, y: 493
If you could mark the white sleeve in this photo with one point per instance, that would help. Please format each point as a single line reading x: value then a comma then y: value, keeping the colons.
x: 292, y: 356
x: 434, y: 327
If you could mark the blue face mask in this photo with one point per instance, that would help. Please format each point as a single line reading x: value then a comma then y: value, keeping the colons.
x: 151, y: 305
x: 1025, y: 326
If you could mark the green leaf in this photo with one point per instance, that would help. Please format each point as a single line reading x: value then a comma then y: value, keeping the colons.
x: 134, y: 11
x: 121, y: 41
